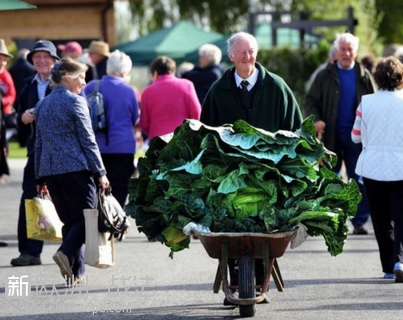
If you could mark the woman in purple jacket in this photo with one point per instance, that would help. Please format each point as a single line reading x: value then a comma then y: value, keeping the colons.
x: 118, y: 144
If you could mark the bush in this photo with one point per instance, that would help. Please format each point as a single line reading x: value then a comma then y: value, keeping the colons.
x: 294, y: 66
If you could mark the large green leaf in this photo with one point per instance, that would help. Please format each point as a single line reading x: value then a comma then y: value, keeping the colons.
x: 237, y: 178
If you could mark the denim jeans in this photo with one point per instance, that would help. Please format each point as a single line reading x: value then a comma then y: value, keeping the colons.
x: 348, y: 151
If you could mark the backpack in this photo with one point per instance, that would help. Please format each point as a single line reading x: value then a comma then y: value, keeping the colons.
x: 98, y: 111
x: 111, y: 216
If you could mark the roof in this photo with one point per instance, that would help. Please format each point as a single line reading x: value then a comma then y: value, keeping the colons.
x: 175, y: 42
x: 15, y: 5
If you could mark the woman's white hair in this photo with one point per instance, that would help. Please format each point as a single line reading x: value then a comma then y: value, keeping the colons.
x: 119, y: 64
x: 211, y: 52
x: 347, y: 38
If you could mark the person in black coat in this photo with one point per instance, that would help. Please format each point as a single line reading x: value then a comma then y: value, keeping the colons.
x: 19, y: 71
x: 98, y: 52
x: 208, y: 70
x: 2, y: 147
x: 43, y: 57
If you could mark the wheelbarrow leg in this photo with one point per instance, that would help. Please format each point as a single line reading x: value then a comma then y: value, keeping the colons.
x: 218, y: 279
x: 275, y: 272
x: 278, y: 279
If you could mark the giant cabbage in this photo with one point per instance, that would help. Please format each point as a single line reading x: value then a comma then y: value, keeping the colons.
x: 238, y: 178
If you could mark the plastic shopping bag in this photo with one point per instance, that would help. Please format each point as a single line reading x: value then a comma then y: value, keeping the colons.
x: 43, y: 222
x: 99, y: 246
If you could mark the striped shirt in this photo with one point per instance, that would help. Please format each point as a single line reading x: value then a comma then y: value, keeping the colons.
x: 356, y: 132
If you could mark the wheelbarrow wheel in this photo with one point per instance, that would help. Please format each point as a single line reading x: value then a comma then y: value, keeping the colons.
x: 247, y: 311
x: 246, y: 284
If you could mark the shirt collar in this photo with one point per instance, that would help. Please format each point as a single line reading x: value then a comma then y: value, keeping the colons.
x: 38, y: 79
x: 252, y: 79
x: 351, y: 67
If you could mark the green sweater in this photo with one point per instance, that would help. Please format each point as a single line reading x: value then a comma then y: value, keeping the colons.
x: 274, y: 106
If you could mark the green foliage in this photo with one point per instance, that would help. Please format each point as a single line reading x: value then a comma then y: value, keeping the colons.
x: 237, y: 178
x: 390, y: 27
x: 224, y: 16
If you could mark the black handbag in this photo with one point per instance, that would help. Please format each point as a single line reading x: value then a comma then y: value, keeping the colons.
x: 111, y: 216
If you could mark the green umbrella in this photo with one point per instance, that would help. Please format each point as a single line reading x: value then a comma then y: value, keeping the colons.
x: 15, y: 5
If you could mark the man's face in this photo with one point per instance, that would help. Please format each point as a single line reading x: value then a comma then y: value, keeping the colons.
x: 3, y: 62
x: 346, y: 55
x: 244, y: 57
x: 43, y: 62
x: 95, y: 57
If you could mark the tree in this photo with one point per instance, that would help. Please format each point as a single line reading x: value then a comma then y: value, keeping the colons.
x: 390, y: 27
x: 222, y: 16
x: 226, y: 16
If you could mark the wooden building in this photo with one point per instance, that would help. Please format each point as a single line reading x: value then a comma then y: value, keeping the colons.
x: 60, y: 21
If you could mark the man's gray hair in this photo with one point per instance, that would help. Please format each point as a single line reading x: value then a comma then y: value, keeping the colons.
x: 347, y: 38
x: 119, y: 64
x: 231, y: 41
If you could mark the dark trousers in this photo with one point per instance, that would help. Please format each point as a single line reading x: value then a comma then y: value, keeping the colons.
x: 386, y: 204
x: 71, y: 194
x: 119, y: 169
x: 349, y: 151
x: 25, y: 245
x: 3, y: 161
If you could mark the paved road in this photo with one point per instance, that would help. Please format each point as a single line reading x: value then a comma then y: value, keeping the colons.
x: 318, y: 286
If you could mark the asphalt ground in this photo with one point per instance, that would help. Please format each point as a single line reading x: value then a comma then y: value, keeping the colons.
x: 146, y: 284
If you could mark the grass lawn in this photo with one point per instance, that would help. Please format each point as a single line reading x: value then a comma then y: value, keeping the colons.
x: 16, y: 152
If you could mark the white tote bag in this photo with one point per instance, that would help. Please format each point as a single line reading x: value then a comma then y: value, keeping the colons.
x: 99, y: 250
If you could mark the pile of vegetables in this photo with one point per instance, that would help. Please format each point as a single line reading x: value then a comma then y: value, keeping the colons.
x: 238, y: 178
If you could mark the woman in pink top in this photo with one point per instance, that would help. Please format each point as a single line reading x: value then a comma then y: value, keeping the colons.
x: 168, y: 101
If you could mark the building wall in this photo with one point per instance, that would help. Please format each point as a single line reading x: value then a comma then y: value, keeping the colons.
x: 59, y: 23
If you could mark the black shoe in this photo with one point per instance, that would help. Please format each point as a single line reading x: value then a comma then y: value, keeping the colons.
x: 226, y: 302
x: 3, y: 244
x: 360, y: 230
x: 25, y: 260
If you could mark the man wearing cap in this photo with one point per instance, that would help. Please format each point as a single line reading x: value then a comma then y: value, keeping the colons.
x: 98, y: 51
x: 71, y: 49
x: 43, y: 57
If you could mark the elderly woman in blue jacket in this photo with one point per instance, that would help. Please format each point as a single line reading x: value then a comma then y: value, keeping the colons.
x: 68, y: 161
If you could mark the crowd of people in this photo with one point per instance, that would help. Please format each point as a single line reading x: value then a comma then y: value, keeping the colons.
x: 357, y: 107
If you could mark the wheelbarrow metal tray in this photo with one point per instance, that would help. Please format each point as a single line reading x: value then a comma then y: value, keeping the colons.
x: 247, y: 244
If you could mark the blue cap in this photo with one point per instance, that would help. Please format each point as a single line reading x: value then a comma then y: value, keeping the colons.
x: 43, y: 45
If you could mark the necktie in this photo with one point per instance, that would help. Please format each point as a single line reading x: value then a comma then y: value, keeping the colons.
x: 244, y: 85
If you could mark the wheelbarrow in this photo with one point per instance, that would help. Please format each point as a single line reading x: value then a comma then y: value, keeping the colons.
x: 246, y: 247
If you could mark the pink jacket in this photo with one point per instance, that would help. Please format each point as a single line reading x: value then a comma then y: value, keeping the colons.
x: 166, y: 103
